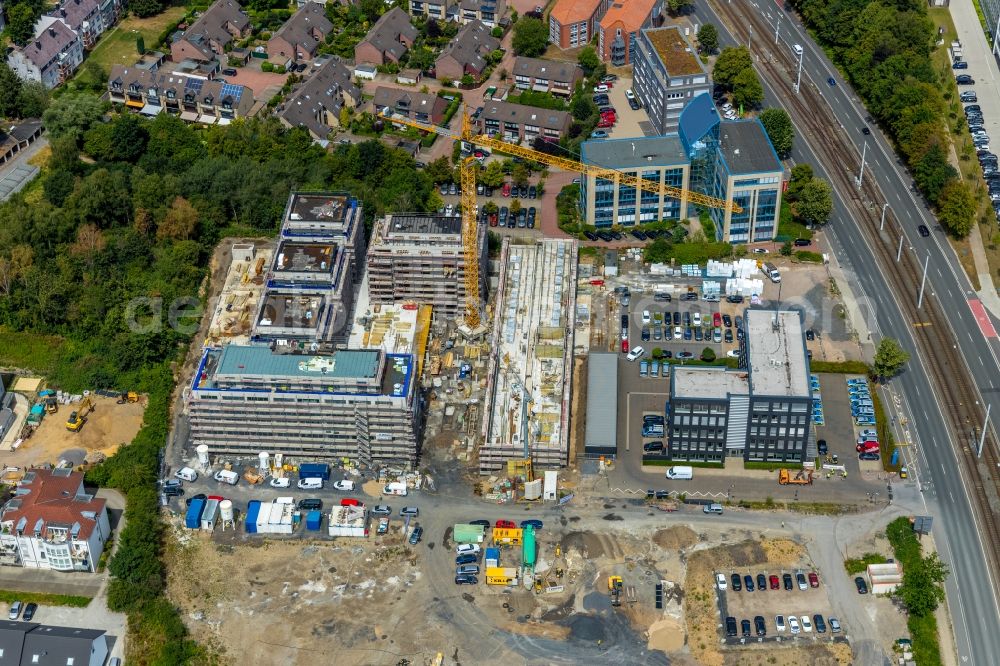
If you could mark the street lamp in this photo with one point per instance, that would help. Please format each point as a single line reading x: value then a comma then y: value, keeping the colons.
x: 881, y: 225
x: 798, y: 77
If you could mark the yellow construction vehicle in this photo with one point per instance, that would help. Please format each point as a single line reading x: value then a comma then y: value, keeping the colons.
x: 51, y: 405
x: 131, y: 396
x: 615, y: 587
x: 78, y: 417
x: 801, y: 479
x: 470, y: 226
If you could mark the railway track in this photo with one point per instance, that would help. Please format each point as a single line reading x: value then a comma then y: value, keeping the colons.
x: 930, y: 327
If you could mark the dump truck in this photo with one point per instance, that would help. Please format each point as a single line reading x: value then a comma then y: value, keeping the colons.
x: 78, y: 417
x: 785, y: 478
x: 615, y: 586
x: 131, y: 396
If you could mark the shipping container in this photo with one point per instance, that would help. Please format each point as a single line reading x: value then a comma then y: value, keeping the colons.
x: 263, y: 516
x: 209, y: 515
x: 501, y: 576
x: 251, y: 520
x: 507, y: 536
x: 314, y: 471
x: 313, y: 520
x: 280, y: 516
x: 465, y: 533
x: 492, y: 558
x: 349, y: 521
x: 193, y: 518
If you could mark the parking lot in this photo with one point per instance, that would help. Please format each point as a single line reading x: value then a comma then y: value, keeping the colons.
x: 630, y: 123
x: 772, y: 600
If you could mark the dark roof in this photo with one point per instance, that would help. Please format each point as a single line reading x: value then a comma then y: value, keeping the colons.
x: 75, y: 12
x: 423, y: 223
x: 55, y: 646
x: 470, y: 46
x: 299, y: 28
x: 634, y: 153
x: 240, y: 97
x: 212, y: 25
x: 417, y: 102
x: 385, y: 34
x: 26, y: 129
x: 323, y: 92
x: 745, y: 148
x: 53, y: 40
x: 12, y: 635
x: 522, y: 114
x: 552, y: 70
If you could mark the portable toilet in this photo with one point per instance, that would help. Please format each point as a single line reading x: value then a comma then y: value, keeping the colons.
x: 492, y: 558
x: 250, y: 524
x: 193, y: 518
x: 313, y: 520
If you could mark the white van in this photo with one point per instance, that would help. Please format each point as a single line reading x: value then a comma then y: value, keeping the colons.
x: 187, y: 474
x: 680, y: 472
x: 395, y: 488
x: 227, y: 476
x: 797, y: 48
x: 310, y: 484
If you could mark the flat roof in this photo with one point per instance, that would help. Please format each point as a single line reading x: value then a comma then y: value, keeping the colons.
x: 424, y: 223
x: 319, y: 206
x: 746, y: 149
x: 634, y: 153
x: 287, y: 308
x: 602, y: 401
x: 305, y: 257
x: 708, y: 382
x: 674, y: 51
x: 260, y: 360
x: 776, y: 353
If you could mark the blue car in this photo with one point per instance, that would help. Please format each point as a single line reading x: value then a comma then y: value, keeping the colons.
x: 687, y: 333
x: 467, y: 558
x: 599, y: 134
x: 537, y: 524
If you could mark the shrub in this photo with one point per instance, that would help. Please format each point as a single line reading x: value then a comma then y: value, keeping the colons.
x: 266, y: 66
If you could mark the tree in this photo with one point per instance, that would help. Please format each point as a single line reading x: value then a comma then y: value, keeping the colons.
x: 786, y: 249
x: 933, y: 171
x: 180, y: 221
x: 140, y: 45
x: 492, y: 175
x: 58, y: 185
x: 708, y: 354
x: 801, y: 174
x: 708, y: 38
x: 72, y: 115
x: 372, y: 9
x: 21, y: 23
x: 815, y: 202
x: 657, y: 252
x: 676, y: 7
x: 588, y: 60
x: 748, y: 92
x: 730, y: 63
x: 10, y: 91
x: 779, y: 130
x: 34, y: 99
x: 582, y: 107
x: 922, y: 589
x: 145, y: 8
x: 531, y: 37
x: 467, y: 80
x: 520, y: 175
x: 889, y: 358
x: 957, y: 208
x: 515, y: 206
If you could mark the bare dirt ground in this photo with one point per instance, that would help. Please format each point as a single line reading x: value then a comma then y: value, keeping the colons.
x: 108, y: 427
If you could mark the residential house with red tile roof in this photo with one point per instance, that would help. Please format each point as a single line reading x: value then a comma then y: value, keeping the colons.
x: 572, y: 23
x: 620, y: 25
x: 53, y: 523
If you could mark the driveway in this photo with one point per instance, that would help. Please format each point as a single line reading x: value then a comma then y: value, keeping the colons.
x: 263, y: 84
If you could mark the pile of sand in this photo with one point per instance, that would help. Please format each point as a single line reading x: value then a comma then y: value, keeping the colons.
x: 678, y: 537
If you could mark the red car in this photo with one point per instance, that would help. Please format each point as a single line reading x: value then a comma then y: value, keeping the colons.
x: 813, y: 579
x: 625, y: 346
x: 717, y: 320
x: 775, y: 583
x: 494, y: 219
x: 506, y: 190
x: 610, y: 116
x: 350, y: 501
x: 867, y: 447
x: 605, y: 124
x: 509, y: 524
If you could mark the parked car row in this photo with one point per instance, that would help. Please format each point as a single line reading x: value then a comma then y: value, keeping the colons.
x: 862, y: 406
x: 763, y: 582
x: 505, y: 217
x: 794, y: 625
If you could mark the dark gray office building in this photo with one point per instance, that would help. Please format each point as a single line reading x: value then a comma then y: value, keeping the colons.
x: 760, y: 412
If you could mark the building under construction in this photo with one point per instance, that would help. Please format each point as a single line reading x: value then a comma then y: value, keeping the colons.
x: 530, y: 368
x: 314, y: 272
x: 420, y: 257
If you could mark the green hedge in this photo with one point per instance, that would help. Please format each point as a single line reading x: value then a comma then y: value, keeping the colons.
x: 659, y: 462
x: 808, y: 257
x: 770, y: 466
x: 857, y: 566
x: 886, y: 440
x: 42, y: 599
x: 923, y: 629
x: 840, y: 367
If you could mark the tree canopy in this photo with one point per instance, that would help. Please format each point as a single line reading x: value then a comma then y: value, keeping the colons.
x: 779, y: 130
x: 531, y: 37
x: 588, y: 60
x: 708, y: 38
x: 728, y: 66
x: 890, y: 357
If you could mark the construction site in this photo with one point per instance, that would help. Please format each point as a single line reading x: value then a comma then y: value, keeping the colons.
x: 530, y: 366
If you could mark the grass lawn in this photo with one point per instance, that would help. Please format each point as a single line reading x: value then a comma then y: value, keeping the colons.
x: 118, y: 46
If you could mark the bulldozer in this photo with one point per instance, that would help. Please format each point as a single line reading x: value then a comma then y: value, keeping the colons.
x: 615, y: 587
x: 51, y: 405
x: 785, y: 478
x: 131, y: 396
x: 79, y: 416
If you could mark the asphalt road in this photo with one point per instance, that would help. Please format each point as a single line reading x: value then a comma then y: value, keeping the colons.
x: 972, y: 603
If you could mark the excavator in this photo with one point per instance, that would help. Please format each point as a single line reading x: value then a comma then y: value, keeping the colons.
x: 78, y: 417
x: 615, y: 589
x: 785, y: 478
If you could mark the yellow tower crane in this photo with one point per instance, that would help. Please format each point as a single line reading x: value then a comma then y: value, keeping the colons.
x: 470, y: 225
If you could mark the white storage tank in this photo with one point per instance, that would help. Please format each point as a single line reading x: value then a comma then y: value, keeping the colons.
x: 202, y: 451
x: 264, y: 465
x: 226, y: 511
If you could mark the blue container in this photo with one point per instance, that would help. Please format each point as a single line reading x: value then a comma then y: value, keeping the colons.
x: 253, y: 510
x: 313, y: 520
x: 314, y: 471
x: 193, y: 518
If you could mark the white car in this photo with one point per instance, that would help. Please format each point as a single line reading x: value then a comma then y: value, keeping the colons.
x: 467, y: 549
x: 793, y: 624
x: 869, y: 433
x: 678, y: 333
x: 601, y: 88
x: 727, y: 107
x: 720, y: 581
x: 696, y: 319
x: 635, y: 353
x: 645, y: 317
x: 834, y: 625
x: 343, y: 485
x: 779, y: 622
x: 807, y: 626
x: 629, y: 94
x: 733, y: 353
x: 283, y: 482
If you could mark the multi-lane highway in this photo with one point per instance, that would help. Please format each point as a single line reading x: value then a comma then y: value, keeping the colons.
x: 971, y: 598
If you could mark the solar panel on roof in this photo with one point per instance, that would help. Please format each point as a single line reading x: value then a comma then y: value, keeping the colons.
x: 193, y: 84
x: 233, y: 90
